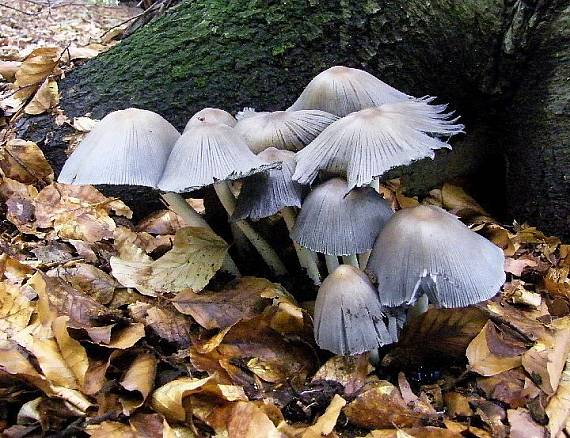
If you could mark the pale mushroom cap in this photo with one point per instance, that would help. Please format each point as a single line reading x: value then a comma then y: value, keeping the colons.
x: 208, y: 153
x: 425, y: 249
x: 338, y: 222
x: 367, y: 143
x: 290, y: 130
x: 211, y: 115
x: 342, y: 90
x: 127, y: 147
x: 264, y: 194
x: 348, y: 316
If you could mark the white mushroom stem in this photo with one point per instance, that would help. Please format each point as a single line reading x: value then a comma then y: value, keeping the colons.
x: 307, y: 259
x: 332, y: 262
x: 351, y: 260
x: 270, y: 257
x: 178, y: 205
x: 363, y: 259
x: 375, y: 184
x: 419, y: 308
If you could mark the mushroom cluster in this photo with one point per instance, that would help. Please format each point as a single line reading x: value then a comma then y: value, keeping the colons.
x: 317, y: 165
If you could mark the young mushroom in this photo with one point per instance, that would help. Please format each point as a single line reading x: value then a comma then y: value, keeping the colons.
x: 127, y: 147
x: 426, y: 250
x: 343, y: 90
x: 338, y: 222
x: 211, y: 115
x: 348, y: 316
x: 267, y: 193
x: 366, y: 144
x: 130, y: 147
x: 290, y: 130
x: 213, y: 154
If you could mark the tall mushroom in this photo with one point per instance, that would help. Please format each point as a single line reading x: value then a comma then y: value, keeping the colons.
x: 343, y: 90
x: 338, y: 222
x: 130, y: 147
x: 290, y: 130
x: 426, y: 250
x: 348, y: 316
x: 213, y: 154
x: 267, y: 193
x: 367, y: 143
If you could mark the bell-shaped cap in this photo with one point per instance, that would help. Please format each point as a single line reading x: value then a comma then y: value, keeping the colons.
x: 127, y: 147
x: 427, y: 250
x: 338, y: 222
x: 264, y: 194
x: 348, y: 316
x: 343, y: 90
x: 290, y: 130
x: 367, y: 143
x: 208, y: 153
x: 211, y: 115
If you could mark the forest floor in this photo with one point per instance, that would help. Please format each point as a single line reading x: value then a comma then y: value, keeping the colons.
x: 100, y: 335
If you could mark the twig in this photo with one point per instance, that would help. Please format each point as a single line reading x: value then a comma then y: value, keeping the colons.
x: 2, y: 5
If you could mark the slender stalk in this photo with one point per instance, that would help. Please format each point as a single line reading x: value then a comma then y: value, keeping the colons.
x: 270, y: 257
x: 375, y: 184
x: 332, y: 263
x: 178, y: 205
x: 306, y: 259
x: 351, y: 260
x: 363, y: 259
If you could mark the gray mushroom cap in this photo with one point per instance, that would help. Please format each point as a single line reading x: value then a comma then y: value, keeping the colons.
x: 211, y: 115
x: 208, y: 153
x: 348, y: 316
x: 338, y: 222
x: 367, y: 143
x: 127, y: 147
x: 427, y: 250
x: 342, y: 90
x: 290, y: 130
x: 264, y: 194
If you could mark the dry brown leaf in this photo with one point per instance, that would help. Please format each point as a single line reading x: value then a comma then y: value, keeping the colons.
x: 457, y: 405
x: 13, y: 271
x: 46, y: 98
x: 88, y: 279
x: 557, y: 281
x: 110, y: 429
x: 437, y: 332
x: 25, y: 162
x: 139, y: 380
x: 8, y: 70
x: 37, y: 66
x: 83, y: 124
x: 350, y: 371
x: 546, y: 359
x: 382, y: 405
x: 326, y: 422
x: 241, y: 299
x: 166, y: 323
x: 15, y: 311
x: 195, y: 257
x: 517, y: 266
x: 455, y: 199
x: 72, y: 352
x: 415, y: 432
x: 242, y: 420
x: 161, y: 222
x: 523, y: 426
x: 465, y: 429
x: 558, y: 408
x: 489, y: 354
x: 125, y: 337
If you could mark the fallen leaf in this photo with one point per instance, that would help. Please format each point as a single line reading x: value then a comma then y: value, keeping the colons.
x: 25, y: 162
x: 46, y: 97
x: 381, y: 406
x: 326, y: 422
x: 88, y: 279
x: 110, y: 429
x: 457, y: 405
x: 139, y: 380
x: 489, y: 353
x: 523, y: 426
x: 15, y: 311
x: 84, y: 124
x: 517, y: 266
x: 423, y: 432
x: 72, y: 352
x: 350, y: 371
x: 558, y: 408
x: 557, y: 281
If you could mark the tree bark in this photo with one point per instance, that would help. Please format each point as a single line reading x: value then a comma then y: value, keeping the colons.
x: 262, y: 53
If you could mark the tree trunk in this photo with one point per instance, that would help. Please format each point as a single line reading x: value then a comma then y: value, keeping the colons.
x: 262, y: 53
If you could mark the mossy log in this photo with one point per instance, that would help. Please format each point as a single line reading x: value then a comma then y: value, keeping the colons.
x: 261, y: 53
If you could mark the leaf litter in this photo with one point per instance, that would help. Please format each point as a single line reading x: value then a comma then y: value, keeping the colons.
x: 114, y: 328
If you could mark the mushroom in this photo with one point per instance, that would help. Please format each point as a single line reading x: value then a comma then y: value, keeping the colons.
x: 127, y: 147
x: 291, y: 130
x: 213, y: 154
x: 342, y: 90
x: 338, y: 222
x: 211, y: 115
x: 130, y: 147
x: 265, y: 194
x: 348, y: 316
x: 366, y: 144
x: 426, y: 250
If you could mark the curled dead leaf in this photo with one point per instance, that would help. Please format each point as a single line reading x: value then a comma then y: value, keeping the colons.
x: 25, y: 162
